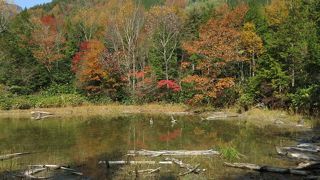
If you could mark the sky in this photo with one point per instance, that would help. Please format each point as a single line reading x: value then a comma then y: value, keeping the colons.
x: 29, y: 3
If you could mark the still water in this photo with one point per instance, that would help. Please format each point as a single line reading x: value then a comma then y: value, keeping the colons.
x: 81, y: 142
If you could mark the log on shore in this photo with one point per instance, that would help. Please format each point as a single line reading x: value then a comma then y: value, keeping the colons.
x: 10, y: 156
x: 172, y: 153
x: 37, y: 115
x: 268, y: 169
x: 297, y: 154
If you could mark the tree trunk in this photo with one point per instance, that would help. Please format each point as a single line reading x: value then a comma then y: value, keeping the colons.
x: 253, y: 65
x: 292, y: 77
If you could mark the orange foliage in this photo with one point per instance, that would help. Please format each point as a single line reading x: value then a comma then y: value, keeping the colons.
x: 219, y: 38
x: 218, y: 43
x: 88, y: 66
x: 48, y: 41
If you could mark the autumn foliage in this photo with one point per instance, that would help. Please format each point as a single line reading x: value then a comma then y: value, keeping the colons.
x: 217, y: 45
x: 169, y: 84
x: 48, y: 41
x: 219, y: 38
x: 87, y: 64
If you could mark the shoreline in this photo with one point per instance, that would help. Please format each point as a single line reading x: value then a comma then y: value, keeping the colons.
x: 255, y: 116
x: 93, y: 110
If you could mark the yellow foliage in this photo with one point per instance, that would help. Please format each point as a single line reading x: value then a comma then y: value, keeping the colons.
x: 277, y: 12
x: 251, y: 42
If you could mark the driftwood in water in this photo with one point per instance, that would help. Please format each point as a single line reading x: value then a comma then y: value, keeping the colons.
x: 10, y: 156
x: 29, y: 174
x: 309, y: 165
x: 305, y: 147
x: 309, y: 146
x: 268, y: 169
x: 56, y: 167
x: 172, y: 153
x: 312, y: 177
x: 190, y: 171
x: 37, y: 115
x: 190, y: 168
x: 149, y: 171
x: 297, y: 154
x: 135, y: 162
x: 221, y: 115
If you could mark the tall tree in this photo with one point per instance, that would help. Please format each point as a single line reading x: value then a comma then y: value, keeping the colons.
x: 124, y: 31
x: 218, y: 44
x: 5, y: 13
x: 164, y: 26
x: 88, y: 66
x: 277, y: 12
x: 48, y: 42
x: 19, y: 71
x: 252, y: 44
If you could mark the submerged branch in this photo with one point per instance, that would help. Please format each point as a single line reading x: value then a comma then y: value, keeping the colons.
x: 268, y: 169
x: 10, y: 156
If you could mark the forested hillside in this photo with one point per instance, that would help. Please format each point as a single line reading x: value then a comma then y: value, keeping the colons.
x: 198, y: 52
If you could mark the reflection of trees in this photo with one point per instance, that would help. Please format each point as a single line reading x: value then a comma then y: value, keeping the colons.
x: 99, y: 136
x: 36, y: 136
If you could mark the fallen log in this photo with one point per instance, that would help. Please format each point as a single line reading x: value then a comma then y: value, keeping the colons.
x: 312, y: 178
x: 244, y: 166
x: 56, y: 167
x: 172, y: 153
x: 10, y: 156
x: 135, y: 162
x: 29, y: 174
x: 309, y: 146
x: 300, y: 149
x: 190, y: 171
x: 308, y: 165
x: 221, y: 115
x: 37, y: 115
x: 268, y: 169
x: 296, y: 154
x: 149, y: 171
x: 184, y: 165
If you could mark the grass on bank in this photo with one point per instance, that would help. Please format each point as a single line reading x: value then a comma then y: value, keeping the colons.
x: 92, y: 110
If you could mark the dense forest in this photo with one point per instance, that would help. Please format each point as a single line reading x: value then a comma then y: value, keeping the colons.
x: 219, y: 53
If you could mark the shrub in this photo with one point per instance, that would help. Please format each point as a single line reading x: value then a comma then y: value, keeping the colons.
x: 5, y: 103
x: 57, y: 89
x: 59, y: 101
x: 99, y: 99
x: 306, y: 100
x: 246, y: 100
x: 229, y: 153
x: 21, y: 103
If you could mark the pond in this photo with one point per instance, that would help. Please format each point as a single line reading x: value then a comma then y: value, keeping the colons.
x: 80, y: 143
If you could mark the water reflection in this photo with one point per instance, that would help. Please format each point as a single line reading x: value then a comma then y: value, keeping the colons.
x: 82, y: 142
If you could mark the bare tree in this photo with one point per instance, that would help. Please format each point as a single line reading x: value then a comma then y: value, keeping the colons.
x: 164, y: 26
x: 4, y: 15
x: 124, y: 31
